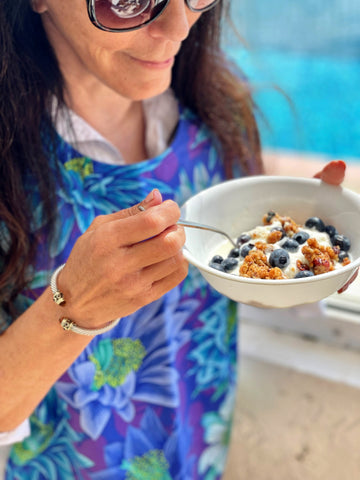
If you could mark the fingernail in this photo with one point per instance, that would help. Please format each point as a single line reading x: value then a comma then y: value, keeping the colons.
x: 148, y: 199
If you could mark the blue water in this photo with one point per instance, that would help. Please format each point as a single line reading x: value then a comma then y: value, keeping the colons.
x: 312, y: 55
x: 330, y: 27
x: 323, y: 114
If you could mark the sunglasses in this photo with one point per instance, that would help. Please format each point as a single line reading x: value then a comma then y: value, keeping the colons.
x: 127, y: 15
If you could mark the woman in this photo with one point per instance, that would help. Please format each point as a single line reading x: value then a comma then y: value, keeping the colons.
x: 90, y: 127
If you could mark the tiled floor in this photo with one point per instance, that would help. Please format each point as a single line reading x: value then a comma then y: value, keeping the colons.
x: 292, y: 426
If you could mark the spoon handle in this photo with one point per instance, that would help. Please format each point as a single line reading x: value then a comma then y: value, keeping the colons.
x: 201, y: 226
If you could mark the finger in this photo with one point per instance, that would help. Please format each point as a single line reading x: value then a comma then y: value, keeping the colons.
x: 146, y: 285
x: 164, y: 285
x: 156, y: 249
x: 153, y: 198
x: 333, y: 173
x: 161, y: 270
x: 348, y: 283
x: 110, y: 236
x: 146, y: 225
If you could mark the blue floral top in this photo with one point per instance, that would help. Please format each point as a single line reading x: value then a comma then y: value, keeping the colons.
x: 152, y: 399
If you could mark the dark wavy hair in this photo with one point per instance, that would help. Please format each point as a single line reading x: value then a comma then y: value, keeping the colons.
x: 30, y: 77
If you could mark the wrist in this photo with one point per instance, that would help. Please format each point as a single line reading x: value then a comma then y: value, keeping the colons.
x: 66, y: 323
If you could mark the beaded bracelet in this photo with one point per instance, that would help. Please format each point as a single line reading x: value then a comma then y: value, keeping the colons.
x: 68, y: 324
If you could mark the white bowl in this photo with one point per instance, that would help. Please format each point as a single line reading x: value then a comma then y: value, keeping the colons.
x: 236, y: 206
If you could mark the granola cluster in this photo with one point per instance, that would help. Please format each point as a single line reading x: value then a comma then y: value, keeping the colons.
x: 321, y: 259
x: 256, y: 265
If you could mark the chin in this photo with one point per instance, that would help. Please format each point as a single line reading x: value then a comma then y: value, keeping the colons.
x: 149, y: 89
x: 152, y: 94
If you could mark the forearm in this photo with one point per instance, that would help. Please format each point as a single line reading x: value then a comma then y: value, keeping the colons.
x: 34, y: 352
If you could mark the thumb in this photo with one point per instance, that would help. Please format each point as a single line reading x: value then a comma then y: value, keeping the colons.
x: 333, y: 172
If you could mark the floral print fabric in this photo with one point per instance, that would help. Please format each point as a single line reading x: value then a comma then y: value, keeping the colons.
x: 151, y: 399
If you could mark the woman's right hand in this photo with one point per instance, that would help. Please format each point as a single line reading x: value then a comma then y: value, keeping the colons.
x: 124, y: 261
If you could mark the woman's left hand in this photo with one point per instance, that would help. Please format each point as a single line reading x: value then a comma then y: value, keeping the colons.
x: 334, y: 173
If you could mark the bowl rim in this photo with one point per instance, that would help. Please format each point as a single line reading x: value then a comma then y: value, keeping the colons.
x: 266, y: 179
x: 278, y: 178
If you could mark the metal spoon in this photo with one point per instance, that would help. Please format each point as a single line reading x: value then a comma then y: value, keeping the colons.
x: 186, y: 223
x: 201, y: 226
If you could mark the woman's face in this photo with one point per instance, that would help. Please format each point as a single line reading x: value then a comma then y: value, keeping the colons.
x: 136, y: 64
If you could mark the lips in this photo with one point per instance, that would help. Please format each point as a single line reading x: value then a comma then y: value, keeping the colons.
x: 157, y: 64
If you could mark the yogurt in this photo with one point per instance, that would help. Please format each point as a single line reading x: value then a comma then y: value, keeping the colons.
x: 282, y: 249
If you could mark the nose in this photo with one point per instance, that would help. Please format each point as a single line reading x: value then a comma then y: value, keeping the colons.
x: 175, y: 22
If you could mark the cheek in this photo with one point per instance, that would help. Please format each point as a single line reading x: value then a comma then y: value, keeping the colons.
x: 192, y: 17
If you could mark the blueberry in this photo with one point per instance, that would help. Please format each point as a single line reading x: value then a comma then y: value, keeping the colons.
x: 229, y: 264
x: 304, y: 274
x: 342, y: 255
x: 290, y: 245
x: 279, y: 229
x: 244, y: 237
x: 315, y: 222
x: 331, y: 230
x: 279, y: 258
x: 217, y: 259
x: 217, y: 266
x: 269, y: 216
x: 301, y: 237
x: 235, y: 252
x: 341, y: 241
x: 246, y: 249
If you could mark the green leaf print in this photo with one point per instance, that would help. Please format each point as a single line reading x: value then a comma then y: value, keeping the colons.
x: 31, y: 447
x: 82, y: 165
x: 151, y: 466
x: 115, y: 359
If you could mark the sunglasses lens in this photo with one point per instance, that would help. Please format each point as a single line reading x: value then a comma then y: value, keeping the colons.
x: 127, y: 14
x: 200, y: 5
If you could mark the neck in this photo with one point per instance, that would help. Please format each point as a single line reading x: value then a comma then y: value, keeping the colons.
x: 118, y: 119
